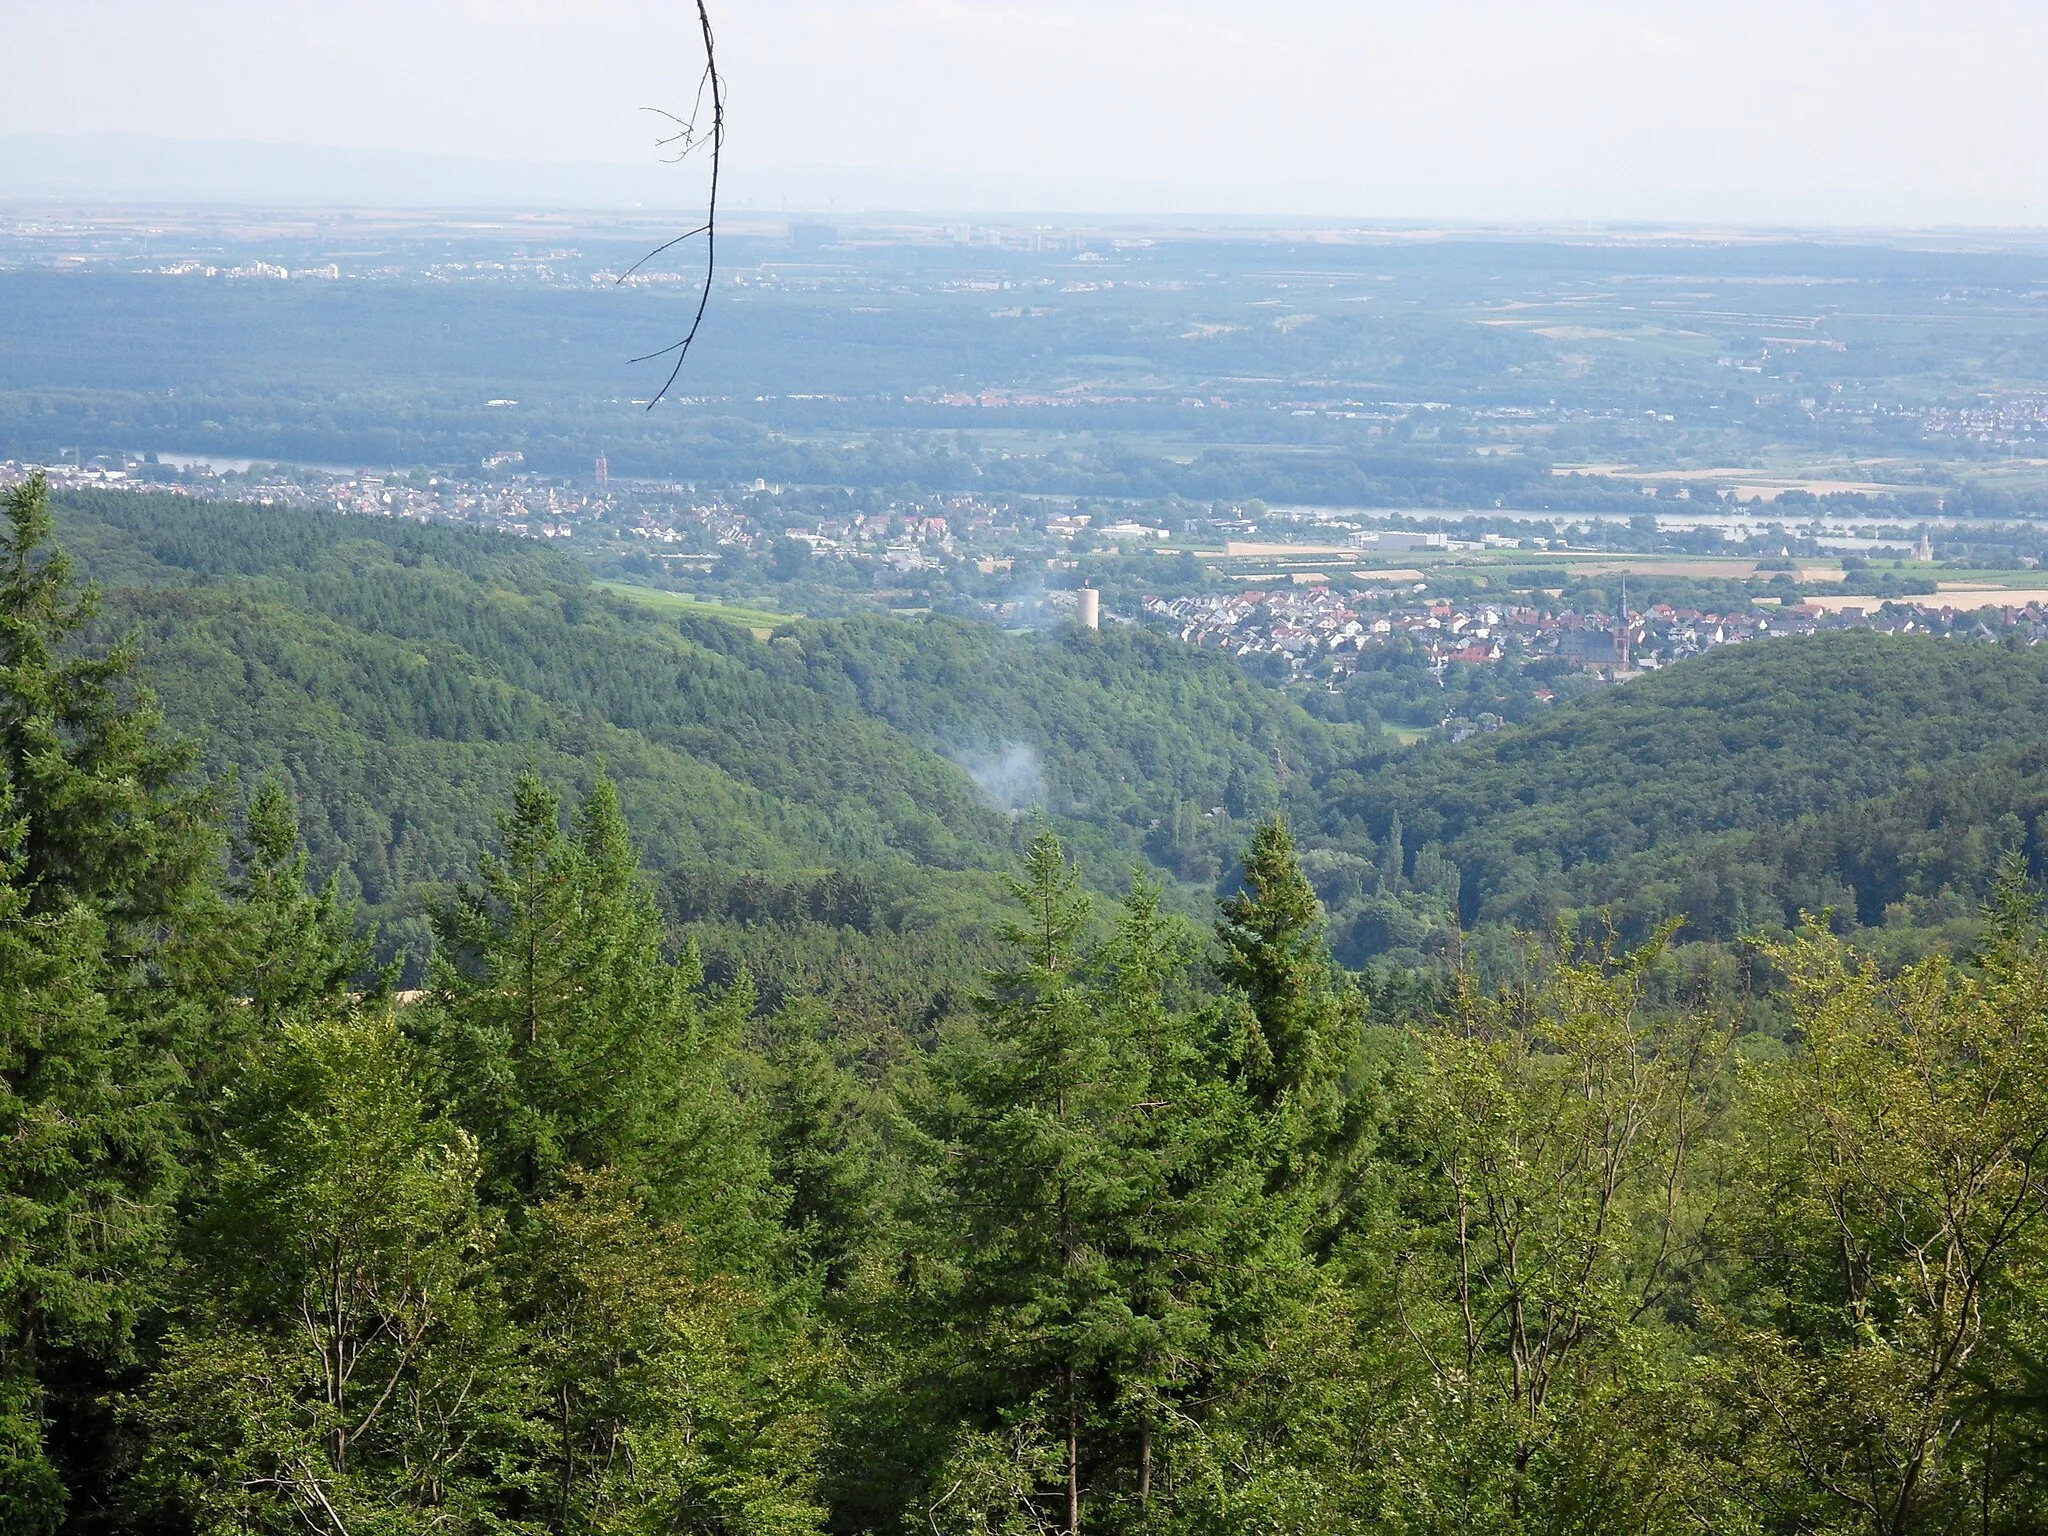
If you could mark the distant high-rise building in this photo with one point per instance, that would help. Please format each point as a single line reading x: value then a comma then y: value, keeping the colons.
x: 604, y: 472
x: 1089, y: 608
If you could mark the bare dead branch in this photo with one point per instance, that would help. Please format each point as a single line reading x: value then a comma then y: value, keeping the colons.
x: 691, y: 138
x: 688, y: 234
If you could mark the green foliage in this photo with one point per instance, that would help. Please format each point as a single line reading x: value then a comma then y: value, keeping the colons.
x: 556, y: 1015
x: 94, y: 777
x: 340, y: 1367
x: 1271, y: 935
x: 824, y: 1151
x: 1852, y: 771
x: 1107, y: 1245
x: 90, y: 1166
x: 981, y: 1215
x: 299, y: 947
x: 1893, y: 1226
x: 561, y: 1031
x: 1553, y: 1216
x: 657, y: 1399
x: 103, y: 910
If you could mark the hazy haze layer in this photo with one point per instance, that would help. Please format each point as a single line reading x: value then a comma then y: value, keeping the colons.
x: 1805, y: 111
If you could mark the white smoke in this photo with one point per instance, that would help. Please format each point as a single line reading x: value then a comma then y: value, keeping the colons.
x: 1011, y: 777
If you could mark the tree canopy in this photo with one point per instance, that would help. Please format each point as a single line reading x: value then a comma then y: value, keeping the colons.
x: 1162, y: 1227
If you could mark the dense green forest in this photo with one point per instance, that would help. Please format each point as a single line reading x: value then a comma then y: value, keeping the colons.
x: 1880, y: 778
x: 762, y: 1153
x: 398, y: 677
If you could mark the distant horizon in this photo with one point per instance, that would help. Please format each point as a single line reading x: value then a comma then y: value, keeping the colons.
x: 1802, y: 113
x: 115, y: 170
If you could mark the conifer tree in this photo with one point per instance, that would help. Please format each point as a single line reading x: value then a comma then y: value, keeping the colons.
x: 635, y: 1185
x: 83, y: 1184
x: 1205, y: 1259
x: 1105, y: 1215
x: 1274, y: 955
x: 821, y: 1150
x: 1025, y: 1112
x: 567, y: 1038
x: 105, y: 856
x: 296, y: 946
x: 99, y: 786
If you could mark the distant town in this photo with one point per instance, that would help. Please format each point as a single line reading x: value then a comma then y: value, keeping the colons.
x: 1479, y: 611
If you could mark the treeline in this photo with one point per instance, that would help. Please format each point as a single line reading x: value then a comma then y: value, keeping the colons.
x: 908, y: 452
x: 397, y: 677
x: 1869, y: 774
x: 1166, y: 1231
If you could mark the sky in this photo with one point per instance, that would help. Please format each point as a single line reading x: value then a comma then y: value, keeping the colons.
x: 1802, y: 111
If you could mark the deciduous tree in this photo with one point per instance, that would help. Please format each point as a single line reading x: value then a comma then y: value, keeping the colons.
x: 342, y: 1364
x: 1895, y: 1240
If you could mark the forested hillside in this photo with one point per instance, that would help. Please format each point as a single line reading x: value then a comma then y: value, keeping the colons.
x: 1880, y: 776
x: 1153, y: 1227
x: 398, y: 677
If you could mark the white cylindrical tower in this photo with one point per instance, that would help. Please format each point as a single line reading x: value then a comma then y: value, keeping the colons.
x: 1090, y: 610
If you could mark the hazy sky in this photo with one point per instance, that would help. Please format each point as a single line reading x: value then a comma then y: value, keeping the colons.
x: 1876, y: 109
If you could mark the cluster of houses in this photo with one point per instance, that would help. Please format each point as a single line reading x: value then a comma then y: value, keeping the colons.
x: 909, y: 541
x: 1331, y: 633
x: 1321, y: 629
